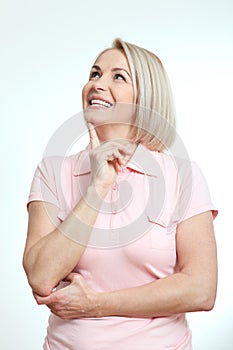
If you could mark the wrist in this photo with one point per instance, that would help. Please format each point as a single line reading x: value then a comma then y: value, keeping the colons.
x: 97, y: 192
x: 105, y: 302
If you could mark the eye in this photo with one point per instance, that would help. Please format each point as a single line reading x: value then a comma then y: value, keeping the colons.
x: 119, y: 77
x: 94, y: 74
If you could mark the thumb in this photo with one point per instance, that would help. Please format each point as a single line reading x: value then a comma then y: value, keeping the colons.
x: 94, y: 140
x: 70, y: 278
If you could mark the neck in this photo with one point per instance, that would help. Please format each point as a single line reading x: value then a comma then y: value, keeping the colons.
x: 114, y: 132
x: 119, y: 134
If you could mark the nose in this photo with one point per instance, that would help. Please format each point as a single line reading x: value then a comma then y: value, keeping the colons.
x: 101, y: 84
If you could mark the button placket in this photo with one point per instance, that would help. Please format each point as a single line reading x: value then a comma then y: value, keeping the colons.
x: 114, y: 197
x: 114, y: 233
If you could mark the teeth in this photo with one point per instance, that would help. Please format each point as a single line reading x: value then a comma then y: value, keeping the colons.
x: 100, y: 102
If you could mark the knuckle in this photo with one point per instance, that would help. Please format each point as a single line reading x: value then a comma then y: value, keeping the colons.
x: 77, y: 278
x: 62, y: 316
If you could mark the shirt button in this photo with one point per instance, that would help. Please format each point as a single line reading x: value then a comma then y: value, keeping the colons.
x: 114, y: 211
x: 114, y: 186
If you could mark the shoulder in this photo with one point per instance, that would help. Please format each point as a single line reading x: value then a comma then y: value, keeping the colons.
x: 55, y: 165
x: 173, y: 166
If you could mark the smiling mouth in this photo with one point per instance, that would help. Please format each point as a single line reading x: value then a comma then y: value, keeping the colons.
x: 98, y: 103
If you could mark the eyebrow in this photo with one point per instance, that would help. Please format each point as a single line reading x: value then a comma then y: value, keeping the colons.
x: 113, y: 70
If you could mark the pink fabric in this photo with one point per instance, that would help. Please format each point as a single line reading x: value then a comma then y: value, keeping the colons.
x: 133, y: 243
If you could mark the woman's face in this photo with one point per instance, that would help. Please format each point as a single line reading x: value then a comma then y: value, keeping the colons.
x: 110, y: 82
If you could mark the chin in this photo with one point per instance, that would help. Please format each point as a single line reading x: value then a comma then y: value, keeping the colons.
x: 99, y: 116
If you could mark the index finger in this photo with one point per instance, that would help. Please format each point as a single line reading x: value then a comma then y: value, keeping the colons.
x: 94, y: 140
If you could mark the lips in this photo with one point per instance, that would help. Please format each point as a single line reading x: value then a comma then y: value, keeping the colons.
x: 100, y: 103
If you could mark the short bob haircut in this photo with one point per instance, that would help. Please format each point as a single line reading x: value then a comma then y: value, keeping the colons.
x: 155, y: 116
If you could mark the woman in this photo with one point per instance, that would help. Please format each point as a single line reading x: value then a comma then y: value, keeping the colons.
x: 120, y: 237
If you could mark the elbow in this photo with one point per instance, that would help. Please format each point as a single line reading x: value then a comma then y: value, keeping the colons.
x: 206, y: 299
x: 39, y: 285
x: 202, y: 292
x: 208, y: 303
x: 42, y: 288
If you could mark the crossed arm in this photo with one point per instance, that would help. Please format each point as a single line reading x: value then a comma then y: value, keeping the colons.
x: 50, y: 257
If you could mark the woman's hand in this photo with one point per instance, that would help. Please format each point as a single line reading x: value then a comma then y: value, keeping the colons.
x: 106, y: 159
x: 77, y: 300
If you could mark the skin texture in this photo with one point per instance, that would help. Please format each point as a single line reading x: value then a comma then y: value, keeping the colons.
x: 193, y: 288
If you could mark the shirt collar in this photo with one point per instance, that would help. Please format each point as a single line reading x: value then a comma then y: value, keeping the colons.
x: 143, y: 161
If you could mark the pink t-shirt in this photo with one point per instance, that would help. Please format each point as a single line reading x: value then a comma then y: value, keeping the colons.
x: 132, y: 243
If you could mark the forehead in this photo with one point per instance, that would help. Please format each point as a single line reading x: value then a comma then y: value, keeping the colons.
x: 113, y: 58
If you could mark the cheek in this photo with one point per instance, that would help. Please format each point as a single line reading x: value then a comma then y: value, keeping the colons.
x: 129, y: 96
x: 84, y: 92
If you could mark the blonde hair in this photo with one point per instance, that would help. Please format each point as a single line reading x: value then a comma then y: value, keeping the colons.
x: 155, y: 110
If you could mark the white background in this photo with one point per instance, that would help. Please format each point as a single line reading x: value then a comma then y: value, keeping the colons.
x: 47, y: 48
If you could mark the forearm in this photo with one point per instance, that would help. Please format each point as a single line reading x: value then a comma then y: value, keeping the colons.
x: 55, y: 255
x: 193, y: 288
x: 177, y: 293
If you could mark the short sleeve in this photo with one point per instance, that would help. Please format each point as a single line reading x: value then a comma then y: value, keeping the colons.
x: 194, y: 195
x: 43, y: 187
